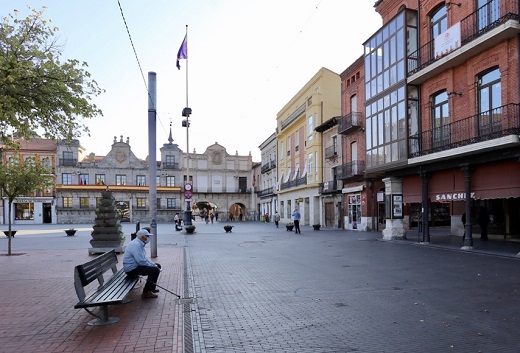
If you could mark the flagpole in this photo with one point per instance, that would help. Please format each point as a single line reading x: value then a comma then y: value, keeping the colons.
x: 186, y: 113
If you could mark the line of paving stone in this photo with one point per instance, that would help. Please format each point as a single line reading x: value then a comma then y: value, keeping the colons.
x: 332, y: 291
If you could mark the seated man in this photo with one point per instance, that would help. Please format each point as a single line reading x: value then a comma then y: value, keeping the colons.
x: 136, y: 263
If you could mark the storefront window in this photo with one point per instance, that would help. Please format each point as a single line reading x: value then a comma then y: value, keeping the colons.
x: 24, y: 211
x: 354, y: 210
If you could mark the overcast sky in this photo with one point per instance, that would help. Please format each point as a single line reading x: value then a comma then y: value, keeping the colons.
x: 246, y: 60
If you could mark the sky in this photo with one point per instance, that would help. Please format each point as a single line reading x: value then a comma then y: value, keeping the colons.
x: 246, y: 60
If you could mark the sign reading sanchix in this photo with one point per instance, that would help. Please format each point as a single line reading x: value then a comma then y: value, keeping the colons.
x: 453, y: 197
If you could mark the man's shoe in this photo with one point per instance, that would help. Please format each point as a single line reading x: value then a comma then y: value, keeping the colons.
x: 155, y: 291
x: 149, y: 294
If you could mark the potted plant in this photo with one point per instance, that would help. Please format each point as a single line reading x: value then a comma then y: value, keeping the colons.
x: 70, y: 232
x: 189, y: 229
x: 289, y: 226
x: 228, y: 228
x: 316, y: 226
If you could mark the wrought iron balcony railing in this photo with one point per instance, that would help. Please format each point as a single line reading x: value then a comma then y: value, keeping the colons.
x: 331, y: 152
x: 350, y: 170
x: 495, y: 123
x: 350, y: 122
x: 483, y: 20
x: 266, y: 192
x: 68, y: 162
x: 294, y: 183
x: 331, y: 186
x: 169, y: 165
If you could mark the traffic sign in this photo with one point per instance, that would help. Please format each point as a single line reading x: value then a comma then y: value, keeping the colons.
x: 187, y: 194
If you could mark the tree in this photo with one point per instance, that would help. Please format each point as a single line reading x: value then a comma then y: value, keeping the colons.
x: 22, y: 179
x: 37, y: 90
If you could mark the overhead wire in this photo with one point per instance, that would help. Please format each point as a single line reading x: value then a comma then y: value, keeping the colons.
x: 138, y: 62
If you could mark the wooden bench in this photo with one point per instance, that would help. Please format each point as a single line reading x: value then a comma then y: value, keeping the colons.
x: 110, y: 291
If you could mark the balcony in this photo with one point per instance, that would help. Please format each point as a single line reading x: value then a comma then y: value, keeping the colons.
x: 294, y: 183
x: 350, y: 122
x: 353, y: 169
x: 169, y: 165
x: 266, y: 192
x: 331, y: 186
x: 482, y: 29
x: 68, y: 162
x: 331, y: 152
x: 466, y: 135
x: 267, y: 167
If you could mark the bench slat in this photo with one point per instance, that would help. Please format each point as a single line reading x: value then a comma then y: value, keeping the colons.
x: 112, y: 292
x: 94, y: 269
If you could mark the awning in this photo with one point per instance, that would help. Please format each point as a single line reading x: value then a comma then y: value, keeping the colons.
x: 352, y: 189
x: 296, y: 172
x: 304, y: 173
x: 288, y: 175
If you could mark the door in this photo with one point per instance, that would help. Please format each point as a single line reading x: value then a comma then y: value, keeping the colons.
x: 47, y: 213
x: 329, y: 214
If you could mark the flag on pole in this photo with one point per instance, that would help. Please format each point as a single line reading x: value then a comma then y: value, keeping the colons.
x: 183, y: 51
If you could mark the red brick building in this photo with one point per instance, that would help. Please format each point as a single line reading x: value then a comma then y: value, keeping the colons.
x: 442, y: 114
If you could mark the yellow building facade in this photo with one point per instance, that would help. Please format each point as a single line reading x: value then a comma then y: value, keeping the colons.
x: 299, y: 163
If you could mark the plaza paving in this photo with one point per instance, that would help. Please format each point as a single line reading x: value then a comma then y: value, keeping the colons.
x: 263, y: 289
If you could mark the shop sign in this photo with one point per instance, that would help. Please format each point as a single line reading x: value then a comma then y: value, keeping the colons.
x: 453, y: 197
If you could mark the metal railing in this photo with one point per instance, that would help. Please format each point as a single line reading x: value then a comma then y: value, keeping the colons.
x: 294, y: 183
x: 473, y: 26
x: 349, y: 122
x: 331, y: 151
x: 495, y: 123
x: 349, y: 170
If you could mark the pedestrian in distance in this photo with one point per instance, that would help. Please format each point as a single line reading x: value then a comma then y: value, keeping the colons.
x: 276, y: 219
x: 136, y: 263
x: 296, y: 218
x: 216, y: 216
x: 212, y: 217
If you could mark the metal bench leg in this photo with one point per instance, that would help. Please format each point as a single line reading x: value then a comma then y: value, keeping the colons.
x: 104, y: 319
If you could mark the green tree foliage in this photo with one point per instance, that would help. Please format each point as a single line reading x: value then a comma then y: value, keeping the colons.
x: 23, y: 179
x: 38, y: 92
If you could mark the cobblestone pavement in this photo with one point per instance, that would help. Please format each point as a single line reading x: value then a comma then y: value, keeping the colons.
x: 263, y: 289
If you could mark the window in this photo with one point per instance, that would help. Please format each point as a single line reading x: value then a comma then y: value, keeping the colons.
x: 335, y: 145
x: 68, y: 158
x: 296, y: 141
x: 171, y: 203
x: 100, y: 179
x: 316, y: 175
x: 83, y: 179
x: 170, y: 181
x: 66, y: 202
x: 310, y: 171
x: 309, y: 101
x: 288, y: 145
x: 158, y: 203
x: 440, y: 120
x: 157, y: 180
x: 438, y: 21
x: 489, y: 88
x: 140, y: 180
x: 30, y: 161
x: 120, y: 179
x: 46, y: 162
x: 66, y: 179
x: 488, y: 12
x: 24, y: 211
x: 282, y: 150
x: 353, y: 104
x: 170, y: 162
x: 309, y: 127
x: 141, y: 202
x: 84, y: 202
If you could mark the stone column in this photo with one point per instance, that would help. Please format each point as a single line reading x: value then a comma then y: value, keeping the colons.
x: 394, y: 226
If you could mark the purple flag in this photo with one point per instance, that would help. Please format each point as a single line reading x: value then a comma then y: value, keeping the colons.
x: 183, y: 51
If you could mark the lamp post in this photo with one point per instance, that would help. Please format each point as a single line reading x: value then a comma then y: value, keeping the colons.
x: 186, y: 112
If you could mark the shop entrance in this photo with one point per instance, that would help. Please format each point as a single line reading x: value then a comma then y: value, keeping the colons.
x: 354, y: 211
x: 47, y: 213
